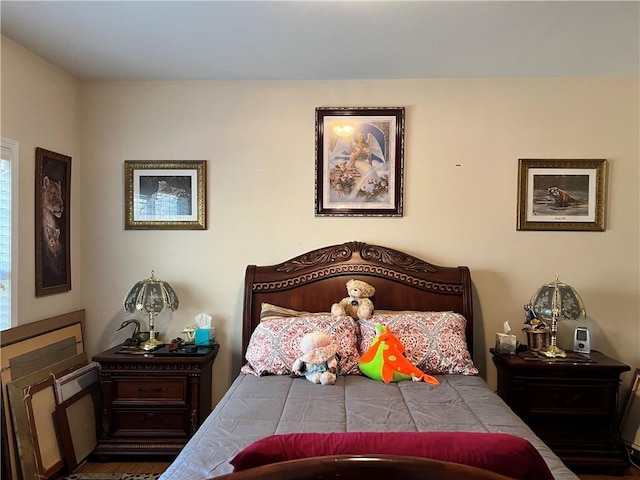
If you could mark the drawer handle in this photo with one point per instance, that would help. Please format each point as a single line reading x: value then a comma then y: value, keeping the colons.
x: 151, y: 416
x: 568, y: 401
x: 157, y: 389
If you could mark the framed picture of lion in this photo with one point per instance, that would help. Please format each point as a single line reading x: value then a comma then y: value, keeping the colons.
x: 52, y: 222
x: 562, y: 194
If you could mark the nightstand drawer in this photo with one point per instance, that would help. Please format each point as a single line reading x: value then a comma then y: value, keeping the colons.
x: 152, y: 404
x: 140, y: 390
x: 157, y: 423
x: 568, y: 399
x: 572, y: 407
x: 572, y: 434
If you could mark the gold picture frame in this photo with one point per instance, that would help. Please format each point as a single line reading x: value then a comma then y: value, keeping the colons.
x: 562, y: 194
x: 165, y: 195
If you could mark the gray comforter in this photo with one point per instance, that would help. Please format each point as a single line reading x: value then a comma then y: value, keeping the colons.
x: 256, y: 407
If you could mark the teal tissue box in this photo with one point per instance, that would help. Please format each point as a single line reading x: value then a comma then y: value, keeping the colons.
x: 204, y: 337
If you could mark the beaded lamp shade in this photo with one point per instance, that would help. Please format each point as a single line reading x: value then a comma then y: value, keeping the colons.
x: 151, y: 295
x: 556, y: 301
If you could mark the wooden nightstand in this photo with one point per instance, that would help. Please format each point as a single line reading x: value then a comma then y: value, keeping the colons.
x: 152, y: 405
x: 571, y: 404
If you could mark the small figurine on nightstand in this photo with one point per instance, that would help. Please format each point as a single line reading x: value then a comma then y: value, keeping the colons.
x: 190, y: 332
x: 528, y: 314
x: 137, y: 337
x: 175, y: 344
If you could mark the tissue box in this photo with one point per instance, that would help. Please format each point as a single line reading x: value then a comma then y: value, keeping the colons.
x: 505, y: 343
x: 204, y: 337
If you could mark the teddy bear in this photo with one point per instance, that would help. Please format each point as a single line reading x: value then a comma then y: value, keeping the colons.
x: 357, y: 305
x: 319, y: 360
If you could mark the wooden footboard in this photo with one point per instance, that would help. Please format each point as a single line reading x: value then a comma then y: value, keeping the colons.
x: 365, y: 467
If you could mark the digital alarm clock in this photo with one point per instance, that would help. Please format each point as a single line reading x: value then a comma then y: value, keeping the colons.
x: 581, y: 343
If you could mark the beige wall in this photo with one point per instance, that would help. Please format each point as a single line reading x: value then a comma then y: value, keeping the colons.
x: 39, y: 108
x: 258, y: 139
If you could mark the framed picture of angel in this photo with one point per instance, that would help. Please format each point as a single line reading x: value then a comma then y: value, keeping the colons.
x: 359, y: 161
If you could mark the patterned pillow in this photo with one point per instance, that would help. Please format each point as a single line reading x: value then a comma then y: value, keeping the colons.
x: 435, y: 342
x: 275, y: 344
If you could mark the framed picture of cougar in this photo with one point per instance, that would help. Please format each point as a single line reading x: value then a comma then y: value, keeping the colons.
x: 52, y: 222
x: 164, y: 195
x: 561, y: 194
x: 359, y: 161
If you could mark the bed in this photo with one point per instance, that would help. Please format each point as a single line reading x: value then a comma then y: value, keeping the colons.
x: 428, y: 307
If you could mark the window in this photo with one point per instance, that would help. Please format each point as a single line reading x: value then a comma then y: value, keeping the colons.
x: 8, y: 232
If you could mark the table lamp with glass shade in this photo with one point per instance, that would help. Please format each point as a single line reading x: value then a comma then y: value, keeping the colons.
x: 151, y: 295
x: 556, y: 301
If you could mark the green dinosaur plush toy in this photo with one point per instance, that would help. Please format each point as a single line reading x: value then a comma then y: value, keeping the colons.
x: 385, y: 360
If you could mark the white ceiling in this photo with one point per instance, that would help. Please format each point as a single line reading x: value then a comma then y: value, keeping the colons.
x: 326, y: 40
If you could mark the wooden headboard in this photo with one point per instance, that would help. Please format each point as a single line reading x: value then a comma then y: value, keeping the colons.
x: 315, y: 280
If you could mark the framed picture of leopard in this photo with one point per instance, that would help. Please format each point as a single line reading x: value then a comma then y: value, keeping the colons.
x: 164, y: 195
x: 562, y: 194
x: 52, y: 222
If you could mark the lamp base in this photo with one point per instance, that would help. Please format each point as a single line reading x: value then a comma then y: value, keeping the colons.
x: 553, y: 351
x: 152, y: 343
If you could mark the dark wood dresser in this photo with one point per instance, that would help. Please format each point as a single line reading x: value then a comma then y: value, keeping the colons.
x: 571, y: 404
x: 152, y: 404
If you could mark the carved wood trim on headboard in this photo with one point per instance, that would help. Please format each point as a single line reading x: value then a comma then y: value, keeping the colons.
x: 314, y: 280
x: 346, y: 251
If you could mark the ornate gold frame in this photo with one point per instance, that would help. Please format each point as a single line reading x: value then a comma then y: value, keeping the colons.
x: 185, y: 183
x: 537, y: 210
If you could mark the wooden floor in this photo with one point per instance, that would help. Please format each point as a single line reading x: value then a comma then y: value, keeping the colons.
x: 123, y: 467
x: 159, y: 467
